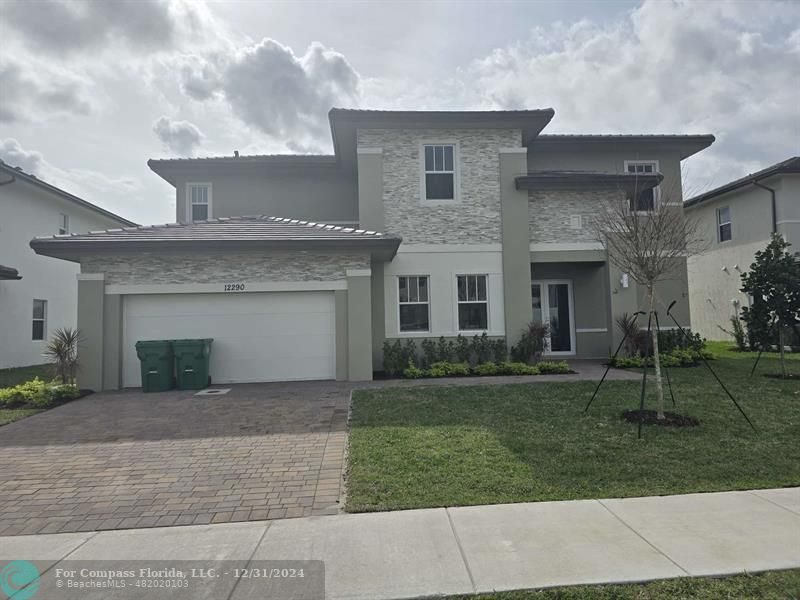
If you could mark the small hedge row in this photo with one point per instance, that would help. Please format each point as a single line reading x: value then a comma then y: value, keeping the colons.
x: 37, y: 394
x: 463, y: 369
x: 675, y: 358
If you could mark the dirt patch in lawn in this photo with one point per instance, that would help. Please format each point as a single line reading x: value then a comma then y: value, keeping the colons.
x: 650, y: 417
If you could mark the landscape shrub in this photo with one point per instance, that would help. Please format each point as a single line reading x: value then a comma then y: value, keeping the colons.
x: 396, y: 356
x: 412, y: 371
x: 516, y: 368
x: 448, y: 369
x: 531, y: 343
x: 462, y: 349
x: 500, y: 350
x: 676, y: 358
x: 553, y: 368
x: 37, y: 394
x: 485, y: 369
x: 429, y: 352
x: 444, y: 350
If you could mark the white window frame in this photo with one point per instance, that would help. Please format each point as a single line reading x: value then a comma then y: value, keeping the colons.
x: 720, y: 224
x: 63, y: 223
x: 656, y: 189
x: 543, y: 283
x: 459, y: 302
x: 456, y: 172
x: 397, y: 295
x: 189, y: 186
x: 43, y: 319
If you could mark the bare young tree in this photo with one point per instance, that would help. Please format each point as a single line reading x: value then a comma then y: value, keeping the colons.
x: 645, y: 235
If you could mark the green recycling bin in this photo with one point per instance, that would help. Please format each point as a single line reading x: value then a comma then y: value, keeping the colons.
x: 157, y: 365
x: 191, y: 363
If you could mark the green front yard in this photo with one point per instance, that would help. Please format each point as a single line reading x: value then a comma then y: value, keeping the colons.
x: 775, y: 585
x: 450, y: 446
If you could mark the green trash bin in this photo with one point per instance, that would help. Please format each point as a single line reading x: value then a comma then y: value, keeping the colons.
x: 158, y: 366
x: 191, y: 363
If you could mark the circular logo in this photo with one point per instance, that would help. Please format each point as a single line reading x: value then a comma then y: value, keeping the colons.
x: 20, y: 579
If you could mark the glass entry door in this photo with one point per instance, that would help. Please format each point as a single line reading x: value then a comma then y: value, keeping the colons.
x: 552, y: 303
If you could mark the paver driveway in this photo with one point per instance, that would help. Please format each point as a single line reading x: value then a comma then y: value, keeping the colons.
x: 127, y: 459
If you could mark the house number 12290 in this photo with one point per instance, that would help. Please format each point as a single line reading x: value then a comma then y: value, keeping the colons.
x: 233, y: 287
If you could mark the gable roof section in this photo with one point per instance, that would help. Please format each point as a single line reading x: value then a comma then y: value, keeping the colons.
x: 790, y: 165
x: 230, y: 233
x: 9, y: 273
x: 18, y: 173
x: 346, y: 121
x: 167, y: 168
x: 687, y: 144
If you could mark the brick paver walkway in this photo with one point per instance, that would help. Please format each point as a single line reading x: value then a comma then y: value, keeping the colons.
x: 127, y: 459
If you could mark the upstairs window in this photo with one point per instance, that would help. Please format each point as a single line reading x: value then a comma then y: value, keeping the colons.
x: 414, y: 303
x: 198, y: 197
x: 440, y: 173
x: 39, y: 330
x: 473, y: 304
x: 724, y: 223
x: 643, y: 201
x: 63, y: 224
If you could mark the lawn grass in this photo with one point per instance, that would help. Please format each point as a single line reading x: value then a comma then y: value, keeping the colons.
x: 9, y: 415
x: 17, y: 375
x: 773, y: 585
x: 455, y: 446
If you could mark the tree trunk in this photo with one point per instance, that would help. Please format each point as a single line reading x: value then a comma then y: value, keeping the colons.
x: 781, y: 344
x: 656, y: 359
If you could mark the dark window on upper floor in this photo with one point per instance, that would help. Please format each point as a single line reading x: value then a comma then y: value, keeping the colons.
x: 724, y: 223
x: 440, y: 173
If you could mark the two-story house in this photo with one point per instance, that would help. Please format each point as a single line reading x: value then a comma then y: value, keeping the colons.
x: 38, y: 294
x: 737, y: 220
x: 420, y: 225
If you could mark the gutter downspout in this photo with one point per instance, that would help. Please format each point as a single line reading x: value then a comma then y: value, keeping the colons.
x: 774, y: 216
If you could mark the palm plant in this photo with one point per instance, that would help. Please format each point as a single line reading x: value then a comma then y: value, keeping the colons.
x: 62, y: 350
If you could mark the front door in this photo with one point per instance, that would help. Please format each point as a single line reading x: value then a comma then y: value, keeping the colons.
x: 552, y: 304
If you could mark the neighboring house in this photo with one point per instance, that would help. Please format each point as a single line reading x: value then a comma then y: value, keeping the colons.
x: 467, y: 222
x: 38, y: 294
x: 738, y: 219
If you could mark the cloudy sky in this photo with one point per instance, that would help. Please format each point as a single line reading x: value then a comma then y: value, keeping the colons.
x: 90, y: 90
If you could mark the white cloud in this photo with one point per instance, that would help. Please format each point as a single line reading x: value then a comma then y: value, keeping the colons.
x: 267, y: 86
x: 12, y: 153
x: 181, y: 137
x: 35, y: 95
x: 670, y: 67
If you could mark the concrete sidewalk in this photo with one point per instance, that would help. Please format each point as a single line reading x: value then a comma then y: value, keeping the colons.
x: 420, y: 553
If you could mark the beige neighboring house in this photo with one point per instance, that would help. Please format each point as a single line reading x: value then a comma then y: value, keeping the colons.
x: 738, y: 220
x: 419, y: 225
x: 38, y: 294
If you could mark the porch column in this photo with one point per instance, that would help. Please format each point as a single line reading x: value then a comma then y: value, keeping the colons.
x: 91, y: 287
x: 359, y: 324
x: 516, y: 243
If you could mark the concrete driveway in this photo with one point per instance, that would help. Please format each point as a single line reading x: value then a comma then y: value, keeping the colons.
x: 128, y: 459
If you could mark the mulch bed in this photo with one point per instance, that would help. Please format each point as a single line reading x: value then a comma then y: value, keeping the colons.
x: 650, y: 417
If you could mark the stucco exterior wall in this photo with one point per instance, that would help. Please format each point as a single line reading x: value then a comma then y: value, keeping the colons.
x: 551, y: 212
x: 715, y: 275
x: 325, y: 195
x: 475, y: 217
x: 150, y: 268
x: 27, y: 211
x: 713, y: 290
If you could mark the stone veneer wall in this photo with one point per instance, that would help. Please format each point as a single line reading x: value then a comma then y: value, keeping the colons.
x: 151, y: 268
x: 549, y: 213
x: 473, y: 220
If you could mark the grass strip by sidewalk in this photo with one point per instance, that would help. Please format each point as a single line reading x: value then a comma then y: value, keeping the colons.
x: 457, y: 446
x: 772, y: 585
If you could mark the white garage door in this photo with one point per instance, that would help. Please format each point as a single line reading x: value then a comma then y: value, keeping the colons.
x: 269, y: 336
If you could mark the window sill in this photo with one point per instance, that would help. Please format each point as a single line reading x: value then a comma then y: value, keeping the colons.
x: 426, y: 202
